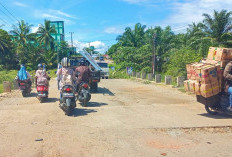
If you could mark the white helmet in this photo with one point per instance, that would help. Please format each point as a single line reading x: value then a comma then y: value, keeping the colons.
x: 65, y: 62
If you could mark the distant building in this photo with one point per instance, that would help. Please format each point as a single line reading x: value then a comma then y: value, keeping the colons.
x: 59, y: 26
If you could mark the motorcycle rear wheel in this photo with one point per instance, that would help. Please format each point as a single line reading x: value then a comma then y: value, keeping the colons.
x: 68, y: 107
x: 24, y: 93
x: 210, y: 110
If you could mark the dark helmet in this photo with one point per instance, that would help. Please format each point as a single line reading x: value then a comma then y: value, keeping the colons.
x: 40, y: 66
x: 82, y: 61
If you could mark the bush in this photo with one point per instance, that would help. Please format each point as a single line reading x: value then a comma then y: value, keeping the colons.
x: 179, y: 59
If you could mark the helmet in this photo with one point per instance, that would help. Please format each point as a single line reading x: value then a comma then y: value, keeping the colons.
x: 22, y: 65
x: 82, y: 61
x: 40, y: 66
x: 65, y: 62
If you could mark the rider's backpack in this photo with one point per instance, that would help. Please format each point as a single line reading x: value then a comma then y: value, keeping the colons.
x: 66, y: 77
x: 41, y: 78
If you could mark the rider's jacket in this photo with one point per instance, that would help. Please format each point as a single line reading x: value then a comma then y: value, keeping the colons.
x: 228, y: 76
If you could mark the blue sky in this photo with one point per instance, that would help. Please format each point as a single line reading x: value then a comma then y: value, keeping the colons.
x: 101, y: 21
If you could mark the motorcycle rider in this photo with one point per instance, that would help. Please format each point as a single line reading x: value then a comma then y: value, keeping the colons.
x: 83, y: 73
x: 228, y: 82
x: 23, y: 75
x: 65, y: 75
x: 41, y: 77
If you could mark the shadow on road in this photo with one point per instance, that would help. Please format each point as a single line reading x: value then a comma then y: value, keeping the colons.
x: 96, y: 104
x: 52, y: 100
x: 81, y: 112
x: 218, y: 116
x: 104, y: 91
x: 32, y: 95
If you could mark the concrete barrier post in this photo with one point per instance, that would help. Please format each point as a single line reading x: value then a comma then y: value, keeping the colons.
x: 168, y: 80
x: 150, y: 76
x: 180, y: 81
x: 144, y: 75
x: 157, y: 78
x: 15, y: 84
x: 6, y: 86
x: 138, y: 75
x: 134, y: 74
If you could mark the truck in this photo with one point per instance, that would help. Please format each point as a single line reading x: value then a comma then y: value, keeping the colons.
x: 94, y: 67
x: 105, y: 69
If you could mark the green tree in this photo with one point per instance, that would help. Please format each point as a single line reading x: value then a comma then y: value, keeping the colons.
x: 7, y: 53
x: 219, y: 27
x: 45, y: 34
x: 134, y: 38
x: 21, y: 33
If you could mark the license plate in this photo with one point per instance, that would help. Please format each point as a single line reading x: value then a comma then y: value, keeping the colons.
x: 68, y: 95
x: 22, y: 87
x: 42, y: 95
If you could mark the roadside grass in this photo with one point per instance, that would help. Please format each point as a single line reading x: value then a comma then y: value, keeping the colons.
x: 52, y: 73
x: 1, y: 88
x: 182, y: 90
x: 118, y: 74
x: 146, y: 82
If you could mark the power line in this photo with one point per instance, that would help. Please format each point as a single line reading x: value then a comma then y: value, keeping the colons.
x: 7, y: 15
x: 4, y: 21
x: 9, y: 11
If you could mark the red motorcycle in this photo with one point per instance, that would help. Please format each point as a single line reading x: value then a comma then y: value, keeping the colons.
x: 42, y: 91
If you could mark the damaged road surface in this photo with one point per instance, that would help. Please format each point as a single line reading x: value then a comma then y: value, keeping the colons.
x: 125, y: 118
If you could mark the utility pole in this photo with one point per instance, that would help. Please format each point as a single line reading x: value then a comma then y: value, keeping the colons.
x: 153, y: 51
x: 72, y: 42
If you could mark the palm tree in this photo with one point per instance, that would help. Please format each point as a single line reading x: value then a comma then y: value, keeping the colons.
x: 45, y: 34
x: 218, y: 27
x: 3, y: 44
x: 133, y: 38
x: 21, y: 32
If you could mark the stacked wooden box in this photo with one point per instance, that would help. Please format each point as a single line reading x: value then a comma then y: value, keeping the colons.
x: 206, y: 78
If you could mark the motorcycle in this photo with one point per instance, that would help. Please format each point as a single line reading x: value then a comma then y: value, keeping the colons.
x: 68, y: 102
x: 216, y: 104
x: 84, y: 94
x: 42, y: 91
x: 24, y: 87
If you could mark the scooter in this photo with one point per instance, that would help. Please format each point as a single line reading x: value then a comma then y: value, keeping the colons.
x: 42, y: 91
x: 24, y: 87
x: 216, y: 104
x: 84, y: 94
x: 67, y: 100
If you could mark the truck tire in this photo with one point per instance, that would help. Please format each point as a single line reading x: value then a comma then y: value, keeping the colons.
x: 94, y: 86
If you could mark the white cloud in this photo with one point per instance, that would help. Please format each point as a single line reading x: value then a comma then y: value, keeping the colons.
x: 34, y: 29
x: 51, y: 14
x: 114, y: 30
x: 185, y: 13
x: 62, y: 13
x: 20, y: 4
x: 98, y: 45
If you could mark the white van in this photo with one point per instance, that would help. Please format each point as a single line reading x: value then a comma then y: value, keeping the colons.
x: 105, y: 69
